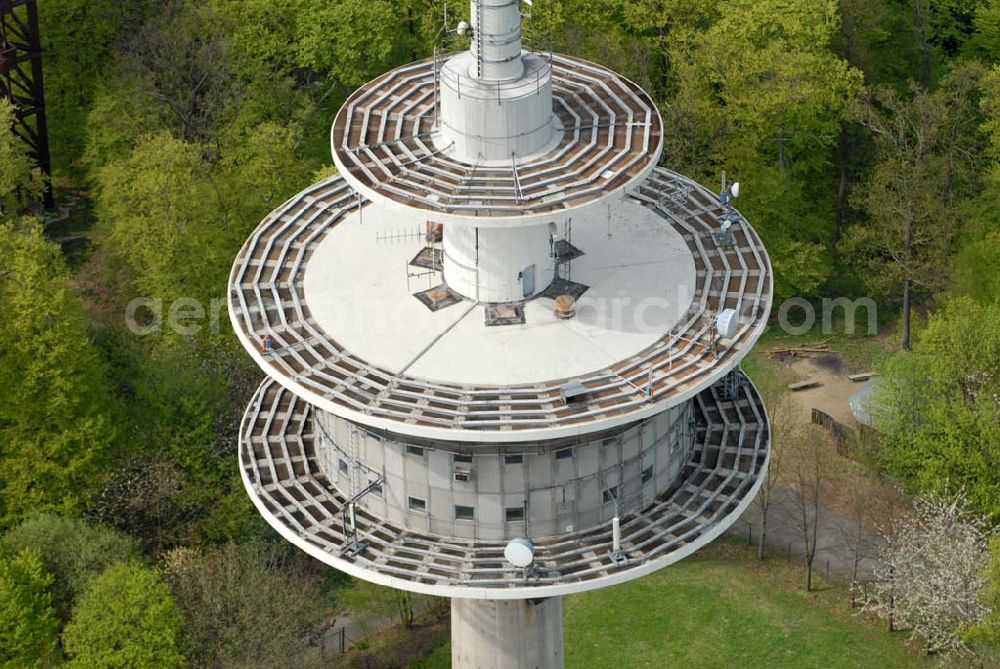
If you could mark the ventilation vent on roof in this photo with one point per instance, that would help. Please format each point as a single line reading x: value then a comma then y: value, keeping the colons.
x: 573, y: 392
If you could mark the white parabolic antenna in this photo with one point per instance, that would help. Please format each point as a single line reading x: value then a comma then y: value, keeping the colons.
x: 520, y: 552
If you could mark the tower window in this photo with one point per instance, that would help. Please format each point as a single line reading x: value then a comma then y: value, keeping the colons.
x: 515, y: 459
x: 464, y: 513
x: 417, y: 504
x: 415, y: 450
x: 647, y: 474
x: 514, y: 513
x: 461, y: 457
x: 610, y: 494
x: 343, y: 466
x: 564, y: 453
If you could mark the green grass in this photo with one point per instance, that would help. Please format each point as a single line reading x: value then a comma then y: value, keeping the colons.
x: 724, y: 610
x: 714, y: 613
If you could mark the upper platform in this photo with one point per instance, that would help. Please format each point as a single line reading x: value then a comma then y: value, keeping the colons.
x: 639, y: 276
x: 345, y: 333
x: 607, y: 138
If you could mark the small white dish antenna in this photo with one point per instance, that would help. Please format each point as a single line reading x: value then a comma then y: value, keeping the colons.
x: 735, y: 189
x: 727, y: 323
x: 463, y: 28
x: 520, y: 552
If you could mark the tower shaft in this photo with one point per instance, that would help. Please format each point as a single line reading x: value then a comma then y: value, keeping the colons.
x: 496, y: 39
x: 506, y: 634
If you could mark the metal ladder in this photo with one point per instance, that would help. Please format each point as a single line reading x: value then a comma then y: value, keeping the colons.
x: 479, y: 39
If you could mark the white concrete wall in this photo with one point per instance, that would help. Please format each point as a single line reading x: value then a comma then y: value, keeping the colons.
x: 504, y: 254
x: 491, y: 121
x: 563, y: 494
x: 514, y: 634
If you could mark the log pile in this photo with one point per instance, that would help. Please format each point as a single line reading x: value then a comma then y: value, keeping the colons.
x: 804, y: 350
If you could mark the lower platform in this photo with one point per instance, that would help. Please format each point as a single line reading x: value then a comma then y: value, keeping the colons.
x: 280, y: 469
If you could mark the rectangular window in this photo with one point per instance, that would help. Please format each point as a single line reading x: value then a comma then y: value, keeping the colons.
x: 607, y: 442
x: 464, y: 513
x: 610, y: 494
x: 514, y: 513
x: 459, y: 457
x: 343, y: 466
x: 513, y: 459
x: 377, y: 489
x: 647, y: 474
x: 564, y: 453
x: 415, y: 450
x: 417, y: 504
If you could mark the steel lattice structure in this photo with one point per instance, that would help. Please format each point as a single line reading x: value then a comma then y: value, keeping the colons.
x: 21, y: 79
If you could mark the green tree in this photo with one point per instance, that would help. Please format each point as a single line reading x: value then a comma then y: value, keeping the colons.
x: 984, y: 636
x: 57, y: 419
x: 166, y: 215
x: 74, y: 552
x: 127, y: 618
x: 761, y: 95
x: 29, y: 631
x: 353, y: 40
x: 936, y: 407
x: 79, y: 42
x: 927, y: 157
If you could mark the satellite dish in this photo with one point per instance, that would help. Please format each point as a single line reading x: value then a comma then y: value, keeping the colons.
x: 735, y: 189
x: 463, y: 28
x: 520, y: 552
x: 727, y: 323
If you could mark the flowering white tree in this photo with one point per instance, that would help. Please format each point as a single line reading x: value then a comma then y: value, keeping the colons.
x: 931, y: 570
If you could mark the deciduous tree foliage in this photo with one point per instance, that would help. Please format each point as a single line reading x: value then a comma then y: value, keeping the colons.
x: 984, y: 635
x: 29, y: 631
x: 72, y: 551
x: 127, y: 618
x: 938, y: 408
x: 251, y: 605
x: 930, y: 572
x: 761, y: 95
x: 57, y: 421
x: 924, y: 142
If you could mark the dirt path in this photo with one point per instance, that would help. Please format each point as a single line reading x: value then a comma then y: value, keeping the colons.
x: 835, y: 547
x: 837, y: 532
x: 833, y: 389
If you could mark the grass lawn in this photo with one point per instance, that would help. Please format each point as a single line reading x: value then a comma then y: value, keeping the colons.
x: 720, y: 612
x: 721, y: 609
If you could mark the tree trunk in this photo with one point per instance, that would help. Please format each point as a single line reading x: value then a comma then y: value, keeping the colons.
x: 843, y: 152
x: 781, y: 150
x: 763, y: 533
x: 906, y: 314
x: 907, y: 287
x: 921, y: 18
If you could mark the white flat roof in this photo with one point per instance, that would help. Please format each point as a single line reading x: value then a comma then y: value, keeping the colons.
x: 640, y: 273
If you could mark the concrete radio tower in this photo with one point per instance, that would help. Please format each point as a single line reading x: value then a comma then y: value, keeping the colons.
x: 502, y: 345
